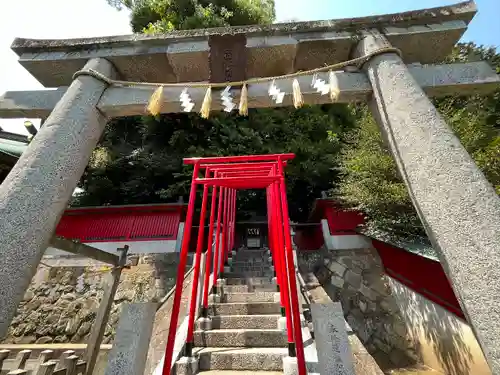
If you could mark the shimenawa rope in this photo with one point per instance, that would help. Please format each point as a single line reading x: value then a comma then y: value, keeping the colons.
x: 154, y: 106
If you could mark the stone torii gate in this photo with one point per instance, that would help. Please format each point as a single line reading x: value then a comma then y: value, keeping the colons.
x: 459, y: 208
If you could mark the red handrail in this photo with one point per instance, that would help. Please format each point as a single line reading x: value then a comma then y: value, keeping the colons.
x: 169, y: 350
x: 208, y: 261
x: 284, y: 281
x: 196, y: 275
x: 218, y: 246
x: 294, y: 302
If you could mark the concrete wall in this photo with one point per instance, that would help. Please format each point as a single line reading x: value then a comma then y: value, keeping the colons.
x: 136, y: 247
x: 445, y: 342
x: 342, y: 241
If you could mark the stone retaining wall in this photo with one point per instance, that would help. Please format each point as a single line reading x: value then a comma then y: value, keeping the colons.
x: 356, y: 279
x: 61, y: 303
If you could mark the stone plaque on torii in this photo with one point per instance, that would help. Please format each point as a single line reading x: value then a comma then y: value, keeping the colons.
x: 458, y: 207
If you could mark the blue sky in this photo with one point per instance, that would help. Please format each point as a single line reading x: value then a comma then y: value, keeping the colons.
x: 484, y: 29
x: 88, y: 18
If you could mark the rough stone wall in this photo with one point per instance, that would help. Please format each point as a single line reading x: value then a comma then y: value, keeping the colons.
x: 61, y: 303
x: 356, y: 279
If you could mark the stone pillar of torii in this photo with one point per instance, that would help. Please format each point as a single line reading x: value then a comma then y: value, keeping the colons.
x: 459, y: 208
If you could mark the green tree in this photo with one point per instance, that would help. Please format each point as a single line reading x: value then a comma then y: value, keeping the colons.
x: 160, y: 16
x: 139, y: 159
x: 370, y: 181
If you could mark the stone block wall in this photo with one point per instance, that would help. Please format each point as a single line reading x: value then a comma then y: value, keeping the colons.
x: 356, y: 279
x: 61, y: 303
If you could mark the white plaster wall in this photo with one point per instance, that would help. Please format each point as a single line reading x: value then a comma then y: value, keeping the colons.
x: 326, y: 234
x: 343, y: 242
x: 446, y: 343
x: 348, y: 241
x: 136, y: 247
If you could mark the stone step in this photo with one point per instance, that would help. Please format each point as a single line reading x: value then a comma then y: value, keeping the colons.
x: 240, y: 372
x: 420, y: 370
x: 254, y: 255
x: 245, y: 308
x: 240, y: 267
x: 251, y: 271
x: 250, y: 297
x: 265, y: 338
x: 248, y: 275
x: 245, y: 321
x: 247, y: 280
x: 255, y: 261
x: 260, y: 359
x: 250, y: 260
x: 250, y: 288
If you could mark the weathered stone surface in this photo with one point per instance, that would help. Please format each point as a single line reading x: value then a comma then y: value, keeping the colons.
x: 28, y: 295
x: 68, y: 318
x: 335, y: 356
x: 353, y: 278
x: 29, y: 328
x: 337, y: 281
x: 84, y: 329
x: 337, y: 268
x: 44, y: 340
x: 458, y: 206
x: 182, y: 56
x: 128, y: 356
x: 369, y: 293
x: 241, y: 338
x: 73, y: 325
x: 60, y: 339
x: 33, y: 304
x: 363, y: 306
x: 69, y: 296
x: 25, y: 340
x: 368, y: 306
x: 187, y: 366
x: 47, y: 174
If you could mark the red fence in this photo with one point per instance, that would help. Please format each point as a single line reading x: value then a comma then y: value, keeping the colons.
x: 343, y: 222
x: 340, y: 221
x: 309, y: 238
x: 421, y: 274
x: 129, y: 223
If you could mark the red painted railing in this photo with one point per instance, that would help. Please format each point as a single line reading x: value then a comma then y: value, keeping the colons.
x: 421, y: 274
x: 130, y: 223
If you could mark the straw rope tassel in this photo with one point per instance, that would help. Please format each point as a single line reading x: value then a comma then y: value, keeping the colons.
x: 334, y: 86
x: 244, y: 101
x: 155, y: 102
x: 207, y: 102
x: 298, y: 101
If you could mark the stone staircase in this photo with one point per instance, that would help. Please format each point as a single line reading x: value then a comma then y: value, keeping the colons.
x: 243, y: 337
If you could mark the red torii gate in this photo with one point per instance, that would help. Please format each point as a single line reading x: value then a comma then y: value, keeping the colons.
x: 230, y: 174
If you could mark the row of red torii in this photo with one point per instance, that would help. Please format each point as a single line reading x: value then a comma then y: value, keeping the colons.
x: 226, y: 175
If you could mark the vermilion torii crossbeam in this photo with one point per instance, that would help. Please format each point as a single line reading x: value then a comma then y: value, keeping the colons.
x: 226, y: 175
x: 227, y: 181
x: 240, y: 159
